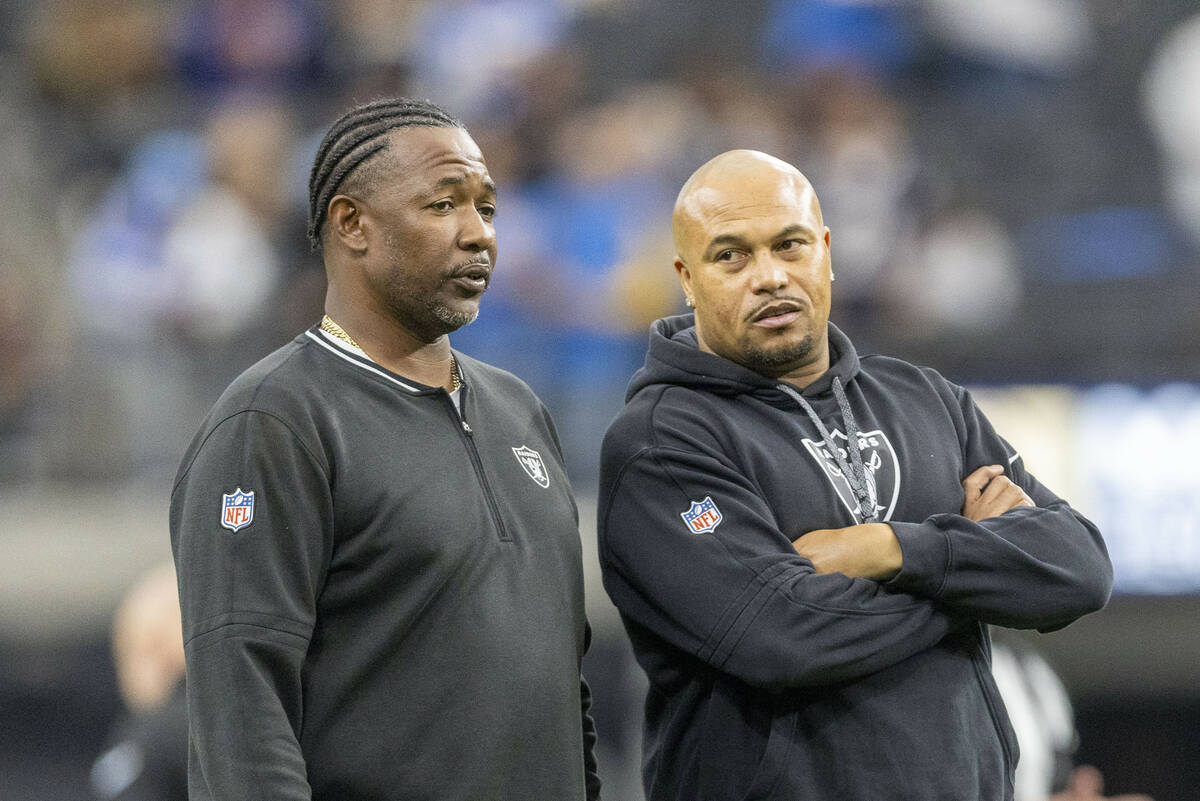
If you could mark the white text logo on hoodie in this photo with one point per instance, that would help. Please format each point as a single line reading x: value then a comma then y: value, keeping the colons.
x: 882, y: 466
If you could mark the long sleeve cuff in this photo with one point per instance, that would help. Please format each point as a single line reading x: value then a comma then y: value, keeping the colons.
x: 927, y: 551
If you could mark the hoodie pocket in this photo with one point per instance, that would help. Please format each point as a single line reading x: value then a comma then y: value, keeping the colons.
x: 775, y: 757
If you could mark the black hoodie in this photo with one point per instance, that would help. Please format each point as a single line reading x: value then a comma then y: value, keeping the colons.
x: 768, y: 680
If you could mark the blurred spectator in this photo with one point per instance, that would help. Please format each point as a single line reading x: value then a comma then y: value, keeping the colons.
x: 219, y: 250
x: 18, y: 378
x: 146, y: 759
x: 605, y: 199
x: 105, y: 65
x: 32, y: 314
x: 120, y: 282
x: 863, y: 164
x: 87, y: 50
x: 373, y: 33
x: 1173, y: 106
x: 960, y: 279
x: 734, y: 107
x: 1041, y: 715
x: 819, y: 35
x: 1044, y: 722
x: 369, y: 50
x: 593, y: 111
x: 1038, y: 36
x: 500, y: 36
x: 174, y: 276
x: 264, y: 44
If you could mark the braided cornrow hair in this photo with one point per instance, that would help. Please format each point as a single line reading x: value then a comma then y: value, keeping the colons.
x: 357, y: 136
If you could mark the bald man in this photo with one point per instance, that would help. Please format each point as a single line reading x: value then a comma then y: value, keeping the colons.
x: 806, y: 545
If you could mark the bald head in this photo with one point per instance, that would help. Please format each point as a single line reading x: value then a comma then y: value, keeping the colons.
x: 752, y: 255
x: 148, y: 640
x: 730, y: 186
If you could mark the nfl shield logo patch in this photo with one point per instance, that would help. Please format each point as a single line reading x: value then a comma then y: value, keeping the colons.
x: 702, y: 516
x: 535, y: 468
x: 237, y: 509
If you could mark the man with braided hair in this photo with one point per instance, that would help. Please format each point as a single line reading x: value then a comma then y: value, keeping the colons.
x: 377, y: 546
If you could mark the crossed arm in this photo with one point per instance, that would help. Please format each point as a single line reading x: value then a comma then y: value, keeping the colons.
x: 872, y: 551
x: 1016, y: 556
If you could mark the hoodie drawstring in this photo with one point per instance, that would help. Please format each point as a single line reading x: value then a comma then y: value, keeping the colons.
x: 854, y: 471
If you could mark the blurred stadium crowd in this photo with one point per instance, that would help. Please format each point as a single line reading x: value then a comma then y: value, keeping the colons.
x: 1013, y: 190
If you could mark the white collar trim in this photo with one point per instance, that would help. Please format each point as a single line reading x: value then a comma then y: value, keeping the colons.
x: 341, y: 349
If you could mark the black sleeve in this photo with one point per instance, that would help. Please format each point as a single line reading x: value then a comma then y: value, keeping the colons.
x: 739, y: 597
x: 591, y: 769
x: 1040, y: 567
x: 248, y: 599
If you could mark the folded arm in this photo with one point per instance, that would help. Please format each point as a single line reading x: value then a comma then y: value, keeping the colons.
x: 872, y: 551
x: 1015, y: 555
x: 736, y: 595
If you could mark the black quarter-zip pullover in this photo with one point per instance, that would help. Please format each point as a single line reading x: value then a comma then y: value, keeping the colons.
x: 402, y: 615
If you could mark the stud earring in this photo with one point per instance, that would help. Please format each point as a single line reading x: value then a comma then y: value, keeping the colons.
x: 691, y: 303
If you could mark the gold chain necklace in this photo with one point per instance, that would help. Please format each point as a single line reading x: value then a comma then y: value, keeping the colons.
x: 330, y: 327
x: 333, y: 329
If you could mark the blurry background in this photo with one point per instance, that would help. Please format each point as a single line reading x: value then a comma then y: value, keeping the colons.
x: 1013, y: 190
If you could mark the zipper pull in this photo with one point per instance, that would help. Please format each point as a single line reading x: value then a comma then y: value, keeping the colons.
x: 467, y: 428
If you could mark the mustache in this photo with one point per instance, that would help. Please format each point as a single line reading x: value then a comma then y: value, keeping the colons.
x: 471, y: 267
x: 773, y: 301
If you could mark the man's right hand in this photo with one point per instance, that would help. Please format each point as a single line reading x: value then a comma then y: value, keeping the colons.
x: 990, y: 493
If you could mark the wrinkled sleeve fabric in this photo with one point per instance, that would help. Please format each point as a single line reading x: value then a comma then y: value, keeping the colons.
x: 739, y: 597
x: 1035, y: 568
x: 248, y: 599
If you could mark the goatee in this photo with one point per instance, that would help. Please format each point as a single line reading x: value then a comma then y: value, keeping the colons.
x: 774, y: 362
x: 452, y: 319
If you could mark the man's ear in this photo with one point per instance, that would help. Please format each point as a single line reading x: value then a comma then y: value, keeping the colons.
x: 346, y: 222
x: 685, y: 279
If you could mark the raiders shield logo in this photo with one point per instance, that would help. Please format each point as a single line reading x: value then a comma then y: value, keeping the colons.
x: 531, y: 460
x: 879, y: 459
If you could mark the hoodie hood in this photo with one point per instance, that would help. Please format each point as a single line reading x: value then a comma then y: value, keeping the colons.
x: 674, y: 357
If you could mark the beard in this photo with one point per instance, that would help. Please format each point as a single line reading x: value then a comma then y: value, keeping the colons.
x: 451, y: 318
x: 419, y: 302
x: 425, y: 312
x: 778, y: 361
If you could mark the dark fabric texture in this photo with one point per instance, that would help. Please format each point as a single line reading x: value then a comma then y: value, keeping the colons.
x: 770, y: 681
x: 403, y: 617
